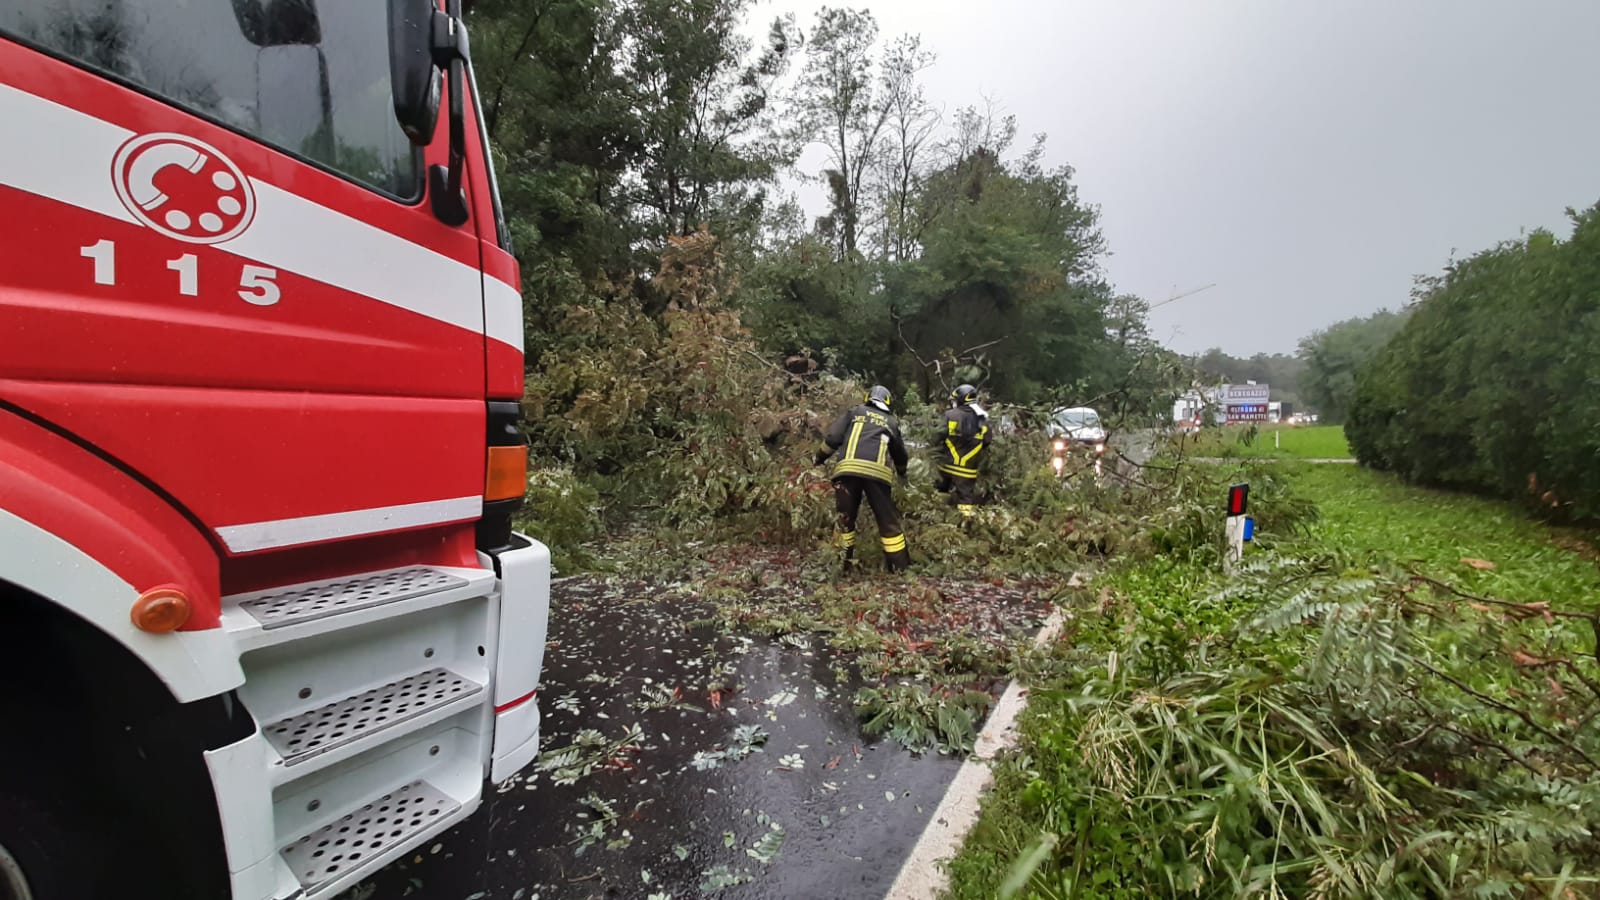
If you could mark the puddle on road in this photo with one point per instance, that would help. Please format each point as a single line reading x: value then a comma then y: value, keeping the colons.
x: 700, y: 763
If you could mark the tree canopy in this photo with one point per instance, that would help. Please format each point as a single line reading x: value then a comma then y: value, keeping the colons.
x: 1491, y: 384
x: 943, y: 250
x: 1335, y: 355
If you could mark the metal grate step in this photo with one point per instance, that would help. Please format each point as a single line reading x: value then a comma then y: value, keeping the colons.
x: 298, y: 738
x: 339, y: 848
x: 304, y: 603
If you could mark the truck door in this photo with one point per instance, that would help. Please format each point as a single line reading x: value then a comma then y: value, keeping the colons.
x: 219, y: 271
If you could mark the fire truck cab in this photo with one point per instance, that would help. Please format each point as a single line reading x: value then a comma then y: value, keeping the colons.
x: 264, y: 622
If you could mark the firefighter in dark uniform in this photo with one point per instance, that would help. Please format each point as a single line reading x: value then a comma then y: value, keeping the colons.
x: 966, y: 430
x: 870, y: 451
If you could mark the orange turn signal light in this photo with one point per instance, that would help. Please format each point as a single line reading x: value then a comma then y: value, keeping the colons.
x: 160, y: 610
x: 508, y: 473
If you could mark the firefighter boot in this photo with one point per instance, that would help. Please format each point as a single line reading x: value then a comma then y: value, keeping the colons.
x: 895, y: 556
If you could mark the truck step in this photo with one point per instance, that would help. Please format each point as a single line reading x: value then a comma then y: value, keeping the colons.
x: 323, y: 857
x: 316, y: 600
x: 301, y: 737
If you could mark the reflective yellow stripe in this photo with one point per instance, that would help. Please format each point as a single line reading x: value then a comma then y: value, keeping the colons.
x: 864, y: 467
x: 958, y: 471
x: 955, y: 455
x: 845, y: 539
x: 893, y: 544
x: 967, y: 509
x: 855, y: 435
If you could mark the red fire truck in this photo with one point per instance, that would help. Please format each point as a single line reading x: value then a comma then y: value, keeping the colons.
x: 264, y: 623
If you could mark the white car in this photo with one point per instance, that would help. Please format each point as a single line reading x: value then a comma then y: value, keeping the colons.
x: 1075, y: 427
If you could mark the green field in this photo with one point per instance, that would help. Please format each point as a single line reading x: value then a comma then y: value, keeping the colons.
x: 1373, y: 512
x: 1271, y: 442
x: 1175, y: 745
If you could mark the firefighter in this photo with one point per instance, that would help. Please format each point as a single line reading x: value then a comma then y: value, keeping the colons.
x: 870, y: 452
x: 966, y: 429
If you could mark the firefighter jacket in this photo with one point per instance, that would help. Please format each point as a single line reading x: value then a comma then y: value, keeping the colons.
x: 966, y: 429
x: 867, y: 442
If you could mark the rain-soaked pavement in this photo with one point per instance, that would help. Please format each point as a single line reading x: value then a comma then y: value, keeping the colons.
x: 747, y: 776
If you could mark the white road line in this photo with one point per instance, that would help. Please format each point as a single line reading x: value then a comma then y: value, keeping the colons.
x: 923, y: 875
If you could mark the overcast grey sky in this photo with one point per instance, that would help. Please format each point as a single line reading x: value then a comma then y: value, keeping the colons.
x: 1307, y: 157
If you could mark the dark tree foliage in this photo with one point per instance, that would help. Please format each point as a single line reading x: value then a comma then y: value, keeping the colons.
x: 1334, y: 357
x: 622, y: 127
x: 1493, y: 385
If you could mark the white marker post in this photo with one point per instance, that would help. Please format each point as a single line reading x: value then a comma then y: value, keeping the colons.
x: 1238, y: 505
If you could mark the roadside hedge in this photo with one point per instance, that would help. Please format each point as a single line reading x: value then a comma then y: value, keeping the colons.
x: 1493, y: 385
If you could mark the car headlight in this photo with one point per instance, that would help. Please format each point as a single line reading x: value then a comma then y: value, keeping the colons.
x: 1060, y: 444
x: 1099, y: 448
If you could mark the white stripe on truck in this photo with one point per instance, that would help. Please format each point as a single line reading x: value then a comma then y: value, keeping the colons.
x: 353, y: 523
x: 289, y: 231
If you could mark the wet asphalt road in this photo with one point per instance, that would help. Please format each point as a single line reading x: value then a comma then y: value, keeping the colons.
x: 1137, y: 446
x: 748, y: 776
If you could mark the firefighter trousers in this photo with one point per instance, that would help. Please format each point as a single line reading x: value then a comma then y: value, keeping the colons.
x: 963, y: 492
x: 847, y: 493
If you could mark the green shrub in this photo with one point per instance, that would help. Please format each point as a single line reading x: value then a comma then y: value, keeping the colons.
x: 563, y: 512
x: 1493, y: 385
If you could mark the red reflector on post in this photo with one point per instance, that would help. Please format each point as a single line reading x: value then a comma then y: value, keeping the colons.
x: 1238, y: 499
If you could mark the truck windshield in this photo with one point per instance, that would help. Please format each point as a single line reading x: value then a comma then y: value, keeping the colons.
x: 310, y: 78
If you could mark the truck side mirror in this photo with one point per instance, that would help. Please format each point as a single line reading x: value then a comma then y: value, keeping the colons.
x: 413, y: 77
x: 424, y: 45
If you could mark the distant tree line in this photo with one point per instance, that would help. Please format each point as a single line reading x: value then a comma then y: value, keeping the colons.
x: 1333, y: 357
x: 1283, y: 371
x: 1321, y: 376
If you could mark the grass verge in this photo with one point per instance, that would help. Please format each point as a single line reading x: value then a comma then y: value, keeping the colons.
x: 1401, y: 703
x: 1272, y: 442
x: 1438, y: 532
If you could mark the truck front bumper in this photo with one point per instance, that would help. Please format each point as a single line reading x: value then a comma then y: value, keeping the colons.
x: 524, y: 573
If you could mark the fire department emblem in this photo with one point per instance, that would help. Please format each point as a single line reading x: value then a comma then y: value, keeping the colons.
x: 184, y: 188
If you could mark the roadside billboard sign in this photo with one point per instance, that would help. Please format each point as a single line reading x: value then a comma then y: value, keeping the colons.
x: 1246, y: 402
